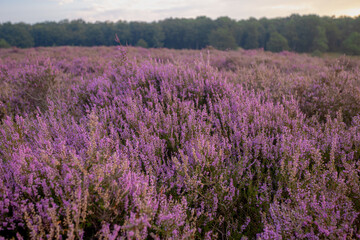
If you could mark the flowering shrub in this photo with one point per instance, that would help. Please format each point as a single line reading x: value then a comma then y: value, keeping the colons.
x: 114, y: 144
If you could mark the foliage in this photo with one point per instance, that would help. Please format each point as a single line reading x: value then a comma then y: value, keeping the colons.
x: 17, y: 35
x: 142, y: 43
x: 251, y: 34
x: 277, y: 43
x: 222, y: 39
x: 352, y: 44
x: 307, y: 33
x: 4, y: 43
x: 320, y: 41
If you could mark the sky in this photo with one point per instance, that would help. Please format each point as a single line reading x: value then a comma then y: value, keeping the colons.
x: 33, y: 11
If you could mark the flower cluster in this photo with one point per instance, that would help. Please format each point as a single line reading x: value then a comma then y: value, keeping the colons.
x: 167, y: 144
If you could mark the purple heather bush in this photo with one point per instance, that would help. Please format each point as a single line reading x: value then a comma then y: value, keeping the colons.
x: 132, y: 143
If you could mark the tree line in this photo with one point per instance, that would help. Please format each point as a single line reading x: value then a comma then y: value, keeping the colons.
x: 307, y: 33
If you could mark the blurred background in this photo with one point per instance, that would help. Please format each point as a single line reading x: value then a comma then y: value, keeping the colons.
x: 278, y: 25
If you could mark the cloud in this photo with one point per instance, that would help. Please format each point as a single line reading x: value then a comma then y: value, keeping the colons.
x: 142, y: 10
x: 62, y: 2
x: 353, y: 12
x: 150, y: 10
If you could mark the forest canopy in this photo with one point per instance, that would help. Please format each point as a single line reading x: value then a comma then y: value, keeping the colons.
x: 307, y: 33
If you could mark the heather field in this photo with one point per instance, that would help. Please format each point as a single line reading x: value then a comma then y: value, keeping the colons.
x: 133, y: 143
